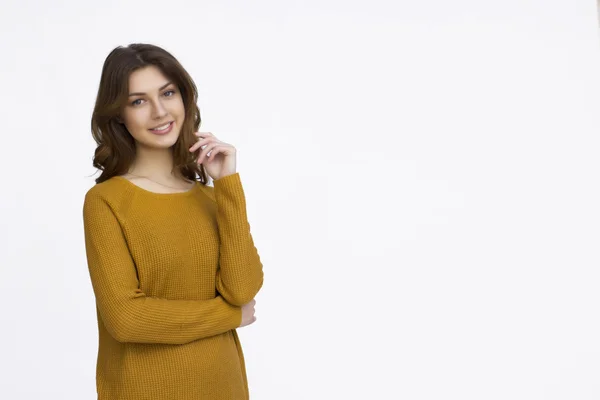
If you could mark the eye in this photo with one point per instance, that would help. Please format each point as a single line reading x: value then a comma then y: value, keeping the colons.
x: 135, y: 102
x: 170, y: 91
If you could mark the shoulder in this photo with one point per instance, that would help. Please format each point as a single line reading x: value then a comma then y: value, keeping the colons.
x: 110, y: 193
x: 108, y: 188
x: 208, y: 190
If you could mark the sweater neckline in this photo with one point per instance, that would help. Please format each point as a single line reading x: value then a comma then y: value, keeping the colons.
x: 157, y: 194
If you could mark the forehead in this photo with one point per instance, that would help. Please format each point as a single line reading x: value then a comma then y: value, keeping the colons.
x: 147, y: 79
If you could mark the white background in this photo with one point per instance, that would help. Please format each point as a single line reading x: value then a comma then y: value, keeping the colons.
x: 421, y: 180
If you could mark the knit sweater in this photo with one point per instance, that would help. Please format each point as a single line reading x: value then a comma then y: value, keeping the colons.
x: 170, y: 272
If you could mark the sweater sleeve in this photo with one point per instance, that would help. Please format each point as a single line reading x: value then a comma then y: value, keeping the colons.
x: 130, y: 315
x: 240, y: 272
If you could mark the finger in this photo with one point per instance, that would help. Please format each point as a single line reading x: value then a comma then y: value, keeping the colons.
x: 200, y: 143
x: 221, y: 147
x: 215, y: 150
x: 204, y: 134
x: 196, y: 145
x: 204, y: 151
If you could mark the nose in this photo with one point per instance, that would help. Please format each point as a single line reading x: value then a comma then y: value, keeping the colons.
x: 159, y: 110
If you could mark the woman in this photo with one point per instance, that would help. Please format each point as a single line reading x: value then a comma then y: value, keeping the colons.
x: 172, y: 262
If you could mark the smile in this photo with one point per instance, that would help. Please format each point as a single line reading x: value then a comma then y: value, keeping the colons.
x: 166, y: 128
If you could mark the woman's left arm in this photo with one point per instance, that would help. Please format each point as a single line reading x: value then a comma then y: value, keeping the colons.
x: 240, y: 273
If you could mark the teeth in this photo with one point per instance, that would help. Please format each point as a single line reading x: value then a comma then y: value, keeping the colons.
x: 162, y: 128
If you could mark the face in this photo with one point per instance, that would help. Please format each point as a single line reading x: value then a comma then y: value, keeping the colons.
x: 154, y: 111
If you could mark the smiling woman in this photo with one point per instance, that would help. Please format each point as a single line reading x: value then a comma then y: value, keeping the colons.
x: 174, y: 271
x: 143, y: 87
x: 156, y: 110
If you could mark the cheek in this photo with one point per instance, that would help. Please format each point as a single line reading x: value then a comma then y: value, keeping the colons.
x: 179, y: 106
x: 176, y: 103
x: 138, y: 118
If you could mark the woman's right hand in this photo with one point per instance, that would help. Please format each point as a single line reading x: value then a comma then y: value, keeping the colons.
x: 248, y: 313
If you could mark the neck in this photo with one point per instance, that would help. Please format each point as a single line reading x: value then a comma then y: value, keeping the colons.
x: 154, y: 164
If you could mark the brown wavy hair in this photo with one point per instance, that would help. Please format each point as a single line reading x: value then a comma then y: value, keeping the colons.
x: 116, y: 147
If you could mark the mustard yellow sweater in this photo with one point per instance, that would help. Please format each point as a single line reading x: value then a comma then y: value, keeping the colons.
x: 170, y: 273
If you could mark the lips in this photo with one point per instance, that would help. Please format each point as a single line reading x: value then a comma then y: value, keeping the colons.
x: 166, y: 129
x: 162, y: 127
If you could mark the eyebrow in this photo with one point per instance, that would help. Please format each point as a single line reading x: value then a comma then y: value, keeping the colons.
x: 159, y: 89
